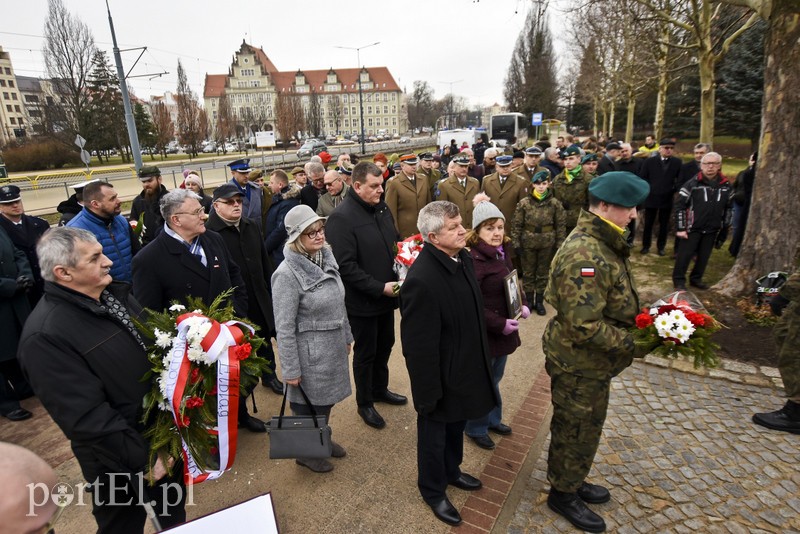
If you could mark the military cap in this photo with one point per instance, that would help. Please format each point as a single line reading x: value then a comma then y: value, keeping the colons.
x: 298, y: 169
x: 667, y: 142
x: 9, y: 194
x: 461, y: 159
x: 590, y: 156
x: 621, y: 188
x: 396, y: 167
x: 613, y: 145
x: 533, y: 151
x: 541, y: 176
x: 79, y: 186
x: 410, y: 159
x: 240, y: 165
x: 503, y: 161
x: 148, y: 171
x: 345, y: 168
x: 426, y: 156
x: 227, y: 190
x: 517, y: 154
x: 571, y: 150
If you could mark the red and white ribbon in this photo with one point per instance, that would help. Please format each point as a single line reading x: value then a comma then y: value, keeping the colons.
x: 219, y: 344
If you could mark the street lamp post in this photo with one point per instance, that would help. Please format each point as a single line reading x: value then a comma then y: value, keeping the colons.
x: 450, y: 106
x: 360, y: 92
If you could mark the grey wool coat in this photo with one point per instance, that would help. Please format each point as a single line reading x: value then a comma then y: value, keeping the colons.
x: 312, y: 327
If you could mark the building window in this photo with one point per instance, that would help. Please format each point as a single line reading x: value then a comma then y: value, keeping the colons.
x: 2, y: 83
x: 16, y: 108
x: 394, y: 109
x: 346, y: 110
x: 368, y: 98
x: 369, y: 123
x: 394, y: 97
x: 214, y: 115
x: 8, y: 71
x: 369, y: 110
x: 386, y: 121
x: 330, y: 124
x: 385, y: 97
x: 11, y: 83
x: 35, y: 113
x: 394, y: 121
x: 5, y: 96
x: 386, y: 109
x: 347, y: 123
x: 13, y: 96
x: 269, y: 111
x: 255, y: 83
x: 353, y: 110
x: 13, y: 120
x: 247, y: 97
x: 9, y: 108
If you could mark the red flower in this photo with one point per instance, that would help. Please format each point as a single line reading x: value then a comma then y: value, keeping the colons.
x: 183, y: 421
x: 643, y: 320
x: 194, y: 402
x: 697, y: 319
x: 242, y: 351
x: 196, y: 376
x: 213, y: 451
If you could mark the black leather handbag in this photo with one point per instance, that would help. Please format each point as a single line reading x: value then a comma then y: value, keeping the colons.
x: 299, y: 436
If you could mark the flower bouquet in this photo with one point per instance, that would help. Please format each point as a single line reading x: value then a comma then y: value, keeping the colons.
x: 406, y: 252
x: 202, y: 362
x: 679, y: 325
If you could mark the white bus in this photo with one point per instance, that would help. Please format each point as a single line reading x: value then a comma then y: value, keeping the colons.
x: 509, y: 129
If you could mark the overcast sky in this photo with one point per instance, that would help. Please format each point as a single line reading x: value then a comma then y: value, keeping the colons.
x: 466, y: 42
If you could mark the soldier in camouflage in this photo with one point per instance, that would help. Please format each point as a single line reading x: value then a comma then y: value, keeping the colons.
x: 588, y: 341
x: 787, y: 339
x: 571, y: 186
x: 537, y: 230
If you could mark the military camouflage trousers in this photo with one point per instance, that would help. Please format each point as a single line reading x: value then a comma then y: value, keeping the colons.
x: 579, y: 411
x: 535, y: 264
x: 787, y: 339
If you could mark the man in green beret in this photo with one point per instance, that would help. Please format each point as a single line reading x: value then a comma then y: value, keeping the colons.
x: 146, y: 205
x: 588, y: 342
x: 571, y: 184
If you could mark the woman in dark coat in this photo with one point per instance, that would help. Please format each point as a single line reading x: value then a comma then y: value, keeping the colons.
x: 488, y: 248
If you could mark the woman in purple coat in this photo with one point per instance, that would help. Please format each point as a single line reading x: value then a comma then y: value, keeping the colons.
x: 489, y: 250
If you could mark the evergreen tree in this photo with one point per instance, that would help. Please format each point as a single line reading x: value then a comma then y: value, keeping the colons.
x: 144, y: 128
x: 106, y: 112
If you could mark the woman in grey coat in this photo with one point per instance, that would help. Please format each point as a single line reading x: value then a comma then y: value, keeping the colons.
x: 314, y: 335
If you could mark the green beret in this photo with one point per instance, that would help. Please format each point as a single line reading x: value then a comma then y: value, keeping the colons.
x: 621, y: 188
x: 590, y: 156
x: 541, y: 176
x: 571, y: 150
x: 148, y: 171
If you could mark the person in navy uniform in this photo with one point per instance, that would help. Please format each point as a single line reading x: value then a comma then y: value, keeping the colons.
x: 251, y: 193
x: 24, y: 231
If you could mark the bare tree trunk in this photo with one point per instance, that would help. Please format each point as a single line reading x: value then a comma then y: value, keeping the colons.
x: 707, y: 92
x: 631, y: 111
x: 663, y: 85
x: 773, y: 227
x: 611, y: 114
x: 594, y: 115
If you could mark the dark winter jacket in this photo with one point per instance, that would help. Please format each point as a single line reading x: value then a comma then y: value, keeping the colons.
x: 86, y: 368
x: 275, y: 233
x: 704, y: 206
x: 68, y: 209
x: 363, y: 238
x: 663, y: 179
x: 153, y: 221
x: 490, y: 270
x: 14, y: 305
x: 25, y: 236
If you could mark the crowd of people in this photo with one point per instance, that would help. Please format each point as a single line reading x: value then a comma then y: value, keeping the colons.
x: 310, y: 258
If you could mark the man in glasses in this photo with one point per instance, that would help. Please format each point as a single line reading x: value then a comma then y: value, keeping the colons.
x: 337, y: 191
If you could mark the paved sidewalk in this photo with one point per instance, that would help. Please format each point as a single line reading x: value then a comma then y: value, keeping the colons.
x: 680, y: 454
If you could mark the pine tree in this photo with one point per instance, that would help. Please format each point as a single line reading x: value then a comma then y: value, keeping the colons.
x: 144, y: 128
x: 105, y: 114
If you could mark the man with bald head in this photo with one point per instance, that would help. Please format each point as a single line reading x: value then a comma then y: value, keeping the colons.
x: 337, y: 191
x: 25, y: 500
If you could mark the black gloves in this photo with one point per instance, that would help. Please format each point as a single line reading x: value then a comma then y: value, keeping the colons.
x: 777, y: 304
x: 24, y: 284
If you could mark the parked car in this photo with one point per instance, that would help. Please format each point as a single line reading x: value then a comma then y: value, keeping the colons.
x: 343, y: 142
x: 404, y: 140
x: 311, y: 148
x: 331, y: 139
x: 210, y: 148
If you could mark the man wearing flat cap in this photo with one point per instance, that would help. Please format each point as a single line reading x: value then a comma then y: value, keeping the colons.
x: 406, y: 194
x: 24, y: 231
x: 571, y: 186
x: 662, y: 172
x: 146, y: 205
x: 589, y: 342
x: 251, y: 194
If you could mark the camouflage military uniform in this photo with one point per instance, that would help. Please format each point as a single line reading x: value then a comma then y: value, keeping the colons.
x: 574, y: 195
x: 787, y: 338
x: 587, y: 342
x: 537, y: 230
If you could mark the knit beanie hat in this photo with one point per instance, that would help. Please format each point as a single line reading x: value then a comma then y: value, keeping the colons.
x: 484, y: 210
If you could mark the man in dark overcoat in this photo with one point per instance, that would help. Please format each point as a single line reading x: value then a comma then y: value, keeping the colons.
x: 447, y: 354
x: 661, y: 172
x: 246, y: 245
x: 362, y: 235
x: 85, y: 360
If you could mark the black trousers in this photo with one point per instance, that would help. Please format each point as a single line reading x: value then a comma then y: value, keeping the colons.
x: 700, y: 244
x: 440, y: 450
x: 650, y: 215
x: 373, y: 339
x: 13, y: 386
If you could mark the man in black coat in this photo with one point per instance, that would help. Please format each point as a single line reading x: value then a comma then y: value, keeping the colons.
x: 691, y: 169
x: 362, y: 235
x: 24, y: 231
x: 606, y: 164
x: 146, y: 204
x: 246, y: 245
x: 85, y: 360
x: 662, y: 173
x: 315, y: 188
x: 447, y: 354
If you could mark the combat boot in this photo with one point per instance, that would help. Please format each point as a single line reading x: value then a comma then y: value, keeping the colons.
x: 539, y: 304
x: 529, y: 295
x: 787, y: 419
x: 574, y: 510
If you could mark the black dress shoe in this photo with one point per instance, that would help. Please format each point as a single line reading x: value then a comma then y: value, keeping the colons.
x: 466, y: 482
x: 484, y: 442
x: 699, y: 285
x: 787, y: 419
x: 503, y: 430
x: 645, y: 251
x: 20, y: 414
x: 371, y: 416
x: 662, y: 252
x: 274, y: 384
x: 445, y: 511
x: 391, y: 398
x: 593, y: 494
x: 680, y: 287
x: 253, y: 424
x: 574, y: 510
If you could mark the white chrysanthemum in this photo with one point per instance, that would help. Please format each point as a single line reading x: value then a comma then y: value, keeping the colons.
x: 685, y: 327
x: 162, y: 383
x: 163, y: 406
x: 163, y: 339
x: 676, y: 315
x: 196, y: 354
x: 177, y: 307
x: 680, y: 336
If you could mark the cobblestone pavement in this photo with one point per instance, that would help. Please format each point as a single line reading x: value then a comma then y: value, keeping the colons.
x: 681, y: 454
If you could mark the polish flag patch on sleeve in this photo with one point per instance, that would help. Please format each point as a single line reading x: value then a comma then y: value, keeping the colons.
x: 587, y: 272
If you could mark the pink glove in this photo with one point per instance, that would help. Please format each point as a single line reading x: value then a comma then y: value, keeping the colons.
x: 510, y: 327
x: 526, y: 312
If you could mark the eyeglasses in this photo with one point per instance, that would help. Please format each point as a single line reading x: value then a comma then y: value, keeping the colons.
x: 714, y: 163
x: 314, y: 233
x: 488, y: 159
x: 196, y: 213
x: 328, y: 184
x: 232, y: 201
